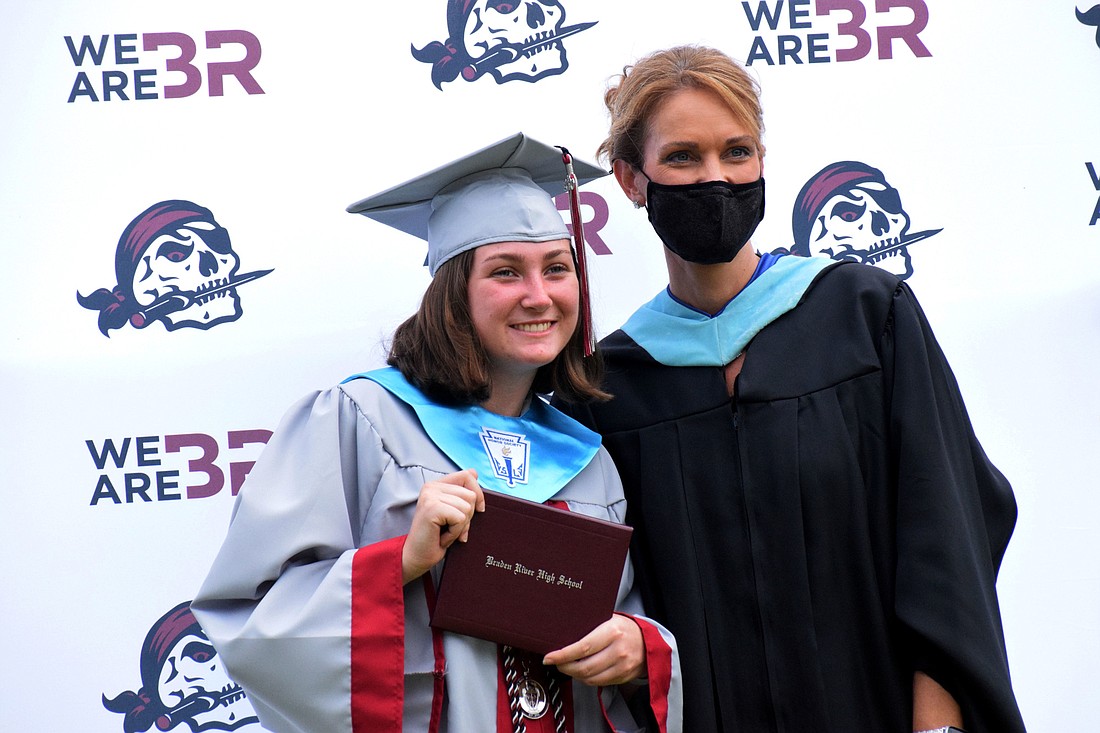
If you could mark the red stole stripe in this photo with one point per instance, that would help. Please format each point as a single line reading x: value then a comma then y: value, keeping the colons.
x: 659, y: 669
x: 377, y: 638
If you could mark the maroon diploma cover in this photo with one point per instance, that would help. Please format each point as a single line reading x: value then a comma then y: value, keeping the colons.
x: 532, y: 576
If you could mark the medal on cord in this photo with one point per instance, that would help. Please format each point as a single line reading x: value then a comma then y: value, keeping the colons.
x: 526, y: 697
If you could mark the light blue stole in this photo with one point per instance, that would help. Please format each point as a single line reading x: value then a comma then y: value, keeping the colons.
x: 677, y: 335
x: 531, y: 456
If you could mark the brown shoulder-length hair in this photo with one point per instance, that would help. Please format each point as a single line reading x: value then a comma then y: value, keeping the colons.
x: 438, y: 350
x: 633, y: 96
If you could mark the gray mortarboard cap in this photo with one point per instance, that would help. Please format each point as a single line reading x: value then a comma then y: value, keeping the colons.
x: 501, y: 193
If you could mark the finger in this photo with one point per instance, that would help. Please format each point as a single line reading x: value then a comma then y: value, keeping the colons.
x: 463, y: 504
x: 468, y: 479
x: 594, y: 670
x: 457, y: 496
x: 609, y: 654
x: 578, y: 650
x: 453, y: 524
x: 457, y: 484
x: 476, y: 497
x: 463, y: 501
x: 591, y: 643
x: 479, y: 502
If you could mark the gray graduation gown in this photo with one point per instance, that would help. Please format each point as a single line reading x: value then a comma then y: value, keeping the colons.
x: 304, y: 601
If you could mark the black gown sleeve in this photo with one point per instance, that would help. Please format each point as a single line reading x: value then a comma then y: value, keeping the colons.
x: 955, y: 514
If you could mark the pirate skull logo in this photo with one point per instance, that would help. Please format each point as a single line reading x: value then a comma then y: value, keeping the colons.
x: 523, y: 32
x: 182, y: 682
x: 848, y: 211
x: 193, y: 676
x: 197, y: 259
x: 508, y: 39
x: 865, y: 224
x: 175, y: 264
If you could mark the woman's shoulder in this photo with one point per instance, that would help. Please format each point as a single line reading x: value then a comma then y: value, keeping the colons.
x: 361, y: 388
x: 347, y: 407
x: 393, y: 422
x: 850, y: 278
x: 847, y: 295
x: 373, y: 402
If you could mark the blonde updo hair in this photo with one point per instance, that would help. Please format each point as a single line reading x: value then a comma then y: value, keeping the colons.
x: 635, y: 95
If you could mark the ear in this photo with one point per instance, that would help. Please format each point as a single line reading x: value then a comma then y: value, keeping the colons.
x: 631, y: 181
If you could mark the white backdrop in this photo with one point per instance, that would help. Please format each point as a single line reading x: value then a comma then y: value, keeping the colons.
x: 985, y: 119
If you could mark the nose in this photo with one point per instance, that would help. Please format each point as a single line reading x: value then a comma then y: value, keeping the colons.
x: 535, y: 16
x: 537, y: 296
x: 879, y: 223
x: 208, y: 264
x: 712, y: 169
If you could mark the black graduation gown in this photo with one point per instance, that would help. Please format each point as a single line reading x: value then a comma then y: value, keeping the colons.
x: 829, y: 530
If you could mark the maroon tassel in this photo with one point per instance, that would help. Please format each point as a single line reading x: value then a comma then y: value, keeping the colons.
x: 579, y: 253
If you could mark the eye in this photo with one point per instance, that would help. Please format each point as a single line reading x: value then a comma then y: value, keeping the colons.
x: 199, y: 652
x: 740, y: 152
x: 175, y: 251
x: 503, y: 272
x: 559, y: 268
x: 502, y: 6
x: 846, y: 211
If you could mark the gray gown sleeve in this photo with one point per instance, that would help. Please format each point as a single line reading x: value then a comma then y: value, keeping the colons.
x: 277, y: 601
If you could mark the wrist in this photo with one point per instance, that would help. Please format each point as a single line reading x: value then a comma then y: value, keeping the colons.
x: 409, y: 569
x: 944, y: 729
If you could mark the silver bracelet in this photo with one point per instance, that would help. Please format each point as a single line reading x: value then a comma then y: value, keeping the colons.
x: 944, y: 729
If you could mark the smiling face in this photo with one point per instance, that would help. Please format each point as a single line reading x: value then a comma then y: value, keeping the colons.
x: 693, y: 137
x: 523, y: 303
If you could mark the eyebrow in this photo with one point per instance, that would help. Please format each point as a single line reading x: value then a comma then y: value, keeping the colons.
x: 691, y: 145
x: 512, y: 257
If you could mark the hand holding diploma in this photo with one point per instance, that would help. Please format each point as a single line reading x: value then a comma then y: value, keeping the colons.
x: 611, y: 654
x: 443, y: 513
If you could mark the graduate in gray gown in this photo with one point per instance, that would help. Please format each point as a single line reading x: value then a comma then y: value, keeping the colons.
x: 318, y: 601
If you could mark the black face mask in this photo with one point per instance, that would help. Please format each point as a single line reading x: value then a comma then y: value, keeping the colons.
x: 705, y: 223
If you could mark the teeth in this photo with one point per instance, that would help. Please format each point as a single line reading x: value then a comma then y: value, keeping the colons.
x: 533, y: 327
x: 204, y: 297
x: 876, y: 255
x: 551, y: 40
